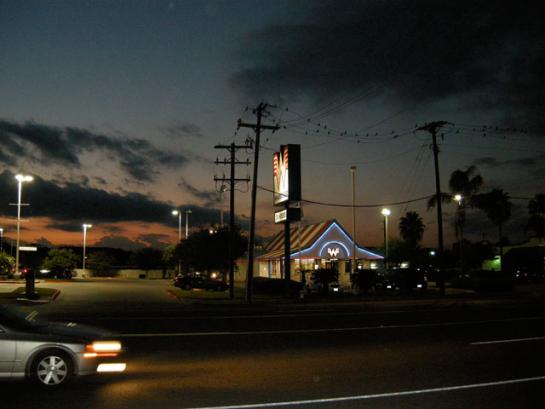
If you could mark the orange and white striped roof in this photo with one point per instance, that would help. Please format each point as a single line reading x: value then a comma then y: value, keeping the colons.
x: 304, y: 240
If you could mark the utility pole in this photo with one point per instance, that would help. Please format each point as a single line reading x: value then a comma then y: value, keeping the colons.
x: 432, y: 128
x: 257, y: 127
x: 232, y: 148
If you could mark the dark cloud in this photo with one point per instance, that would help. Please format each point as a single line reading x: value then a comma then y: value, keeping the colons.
x: 528, y: 162
x: 71, y: 204
x: 138, y: 157
x: 210, y: 197
x: 487, y: 54
x: 69, y: 227
x: 119, y: 242
x: 155, y: 240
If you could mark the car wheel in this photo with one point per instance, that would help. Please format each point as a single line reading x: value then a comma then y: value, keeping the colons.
x: 52, y: 368
x: 186, y: 287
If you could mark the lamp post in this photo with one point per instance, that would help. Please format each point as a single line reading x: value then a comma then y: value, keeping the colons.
x: 459, y: 227
x: 179, y: 214
x: 187, y: 213
x: 222, y: 190
x: 1, y: 239
x: 385, y: 212
x: 353, y: 264
x: 85, y: 227
x: 20, y: 180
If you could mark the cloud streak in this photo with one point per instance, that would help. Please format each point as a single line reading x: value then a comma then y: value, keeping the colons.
x: 70, y: 204
x: 137, y: 157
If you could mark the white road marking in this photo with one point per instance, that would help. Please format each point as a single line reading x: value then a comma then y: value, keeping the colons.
x: 378, y: 395
x: 288, y: 314
x: 506, y: 341
x: 321, y: 330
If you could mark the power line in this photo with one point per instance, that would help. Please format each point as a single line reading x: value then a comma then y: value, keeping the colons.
x: 316, y: 202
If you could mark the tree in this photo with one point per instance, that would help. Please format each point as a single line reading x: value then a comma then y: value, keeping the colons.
x: 146, y: 258
x: 411, y: 229
x: 206, y: 251
x: 465, y: 183
x: 168, y: 258
x: 59, y: 261
x: 7, y: 263
x: 497, y: 206
x: 536, y: 209
x: 100, y: 263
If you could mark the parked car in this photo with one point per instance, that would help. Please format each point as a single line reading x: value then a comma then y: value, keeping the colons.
x: 402, y: 280
x: 51, y: 354
x: 485, y: 280
x: 64, y: 274
x: 199, y: 280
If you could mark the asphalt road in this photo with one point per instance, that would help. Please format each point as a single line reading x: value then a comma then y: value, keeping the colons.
x: 451, y: 354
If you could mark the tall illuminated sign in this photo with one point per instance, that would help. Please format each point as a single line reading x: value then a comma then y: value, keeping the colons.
x: 287, y: 174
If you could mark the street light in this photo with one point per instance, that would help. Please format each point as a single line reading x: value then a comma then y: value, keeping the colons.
x: 179, y: 214
x: 459, y: 227
x: 187, y: 213
x: 20, y: 180
x: 353, y: 264
x: 85, y: 227
x: 222, y: 190
x: 1, y: 239
x: 385, y: 212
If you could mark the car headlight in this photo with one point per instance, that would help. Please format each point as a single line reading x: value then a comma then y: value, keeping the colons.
x: 102, y: 348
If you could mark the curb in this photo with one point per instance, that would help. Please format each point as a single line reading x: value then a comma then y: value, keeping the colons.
x: 52, y: 298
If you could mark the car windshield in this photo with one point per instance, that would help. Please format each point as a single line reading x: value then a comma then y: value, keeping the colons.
x: 16, y: 319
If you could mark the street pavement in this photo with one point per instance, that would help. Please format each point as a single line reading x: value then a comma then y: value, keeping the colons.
x: 475, y: 352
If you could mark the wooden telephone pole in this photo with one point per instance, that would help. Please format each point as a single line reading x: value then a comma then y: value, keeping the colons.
x: 257, y: 127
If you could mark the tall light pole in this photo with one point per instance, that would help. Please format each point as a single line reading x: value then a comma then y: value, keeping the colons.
x: 187, y: 213
x: 353, y: 264
x: 385, y: 212
x: 1, y: 239
x: 222, y: 190
x: 85, y: 227
x: 179, y: 214
x: 459, y: 227
x: 20, y: 180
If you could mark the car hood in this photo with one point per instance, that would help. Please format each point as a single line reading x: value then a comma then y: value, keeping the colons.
x: 73, y: 331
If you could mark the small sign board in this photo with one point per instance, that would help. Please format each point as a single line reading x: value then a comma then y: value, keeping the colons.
x: 291, y: 214
x: 281, y: 216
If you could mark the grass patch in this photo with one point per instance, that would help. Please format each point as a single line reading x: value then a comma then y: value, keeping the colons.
x: 19, y: 292
x: 199, y: 294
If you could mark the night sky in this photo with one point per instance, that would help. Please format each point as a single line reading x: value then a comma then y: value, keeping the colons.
x: 115, y: 108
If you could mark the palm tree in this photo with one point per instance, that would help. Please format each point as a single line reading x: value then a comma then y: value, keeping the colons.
x: 497, y: 206
x: 411, y: 228
x: 536, y: 209
x: 465, y: 183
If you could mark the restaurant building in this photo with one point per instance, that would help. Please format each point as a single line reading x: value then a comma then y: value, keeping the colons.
x: 320, y: 245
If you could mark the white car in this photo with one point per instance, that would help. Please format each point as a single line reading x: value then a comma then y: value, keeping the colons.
x: 51, y: 354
